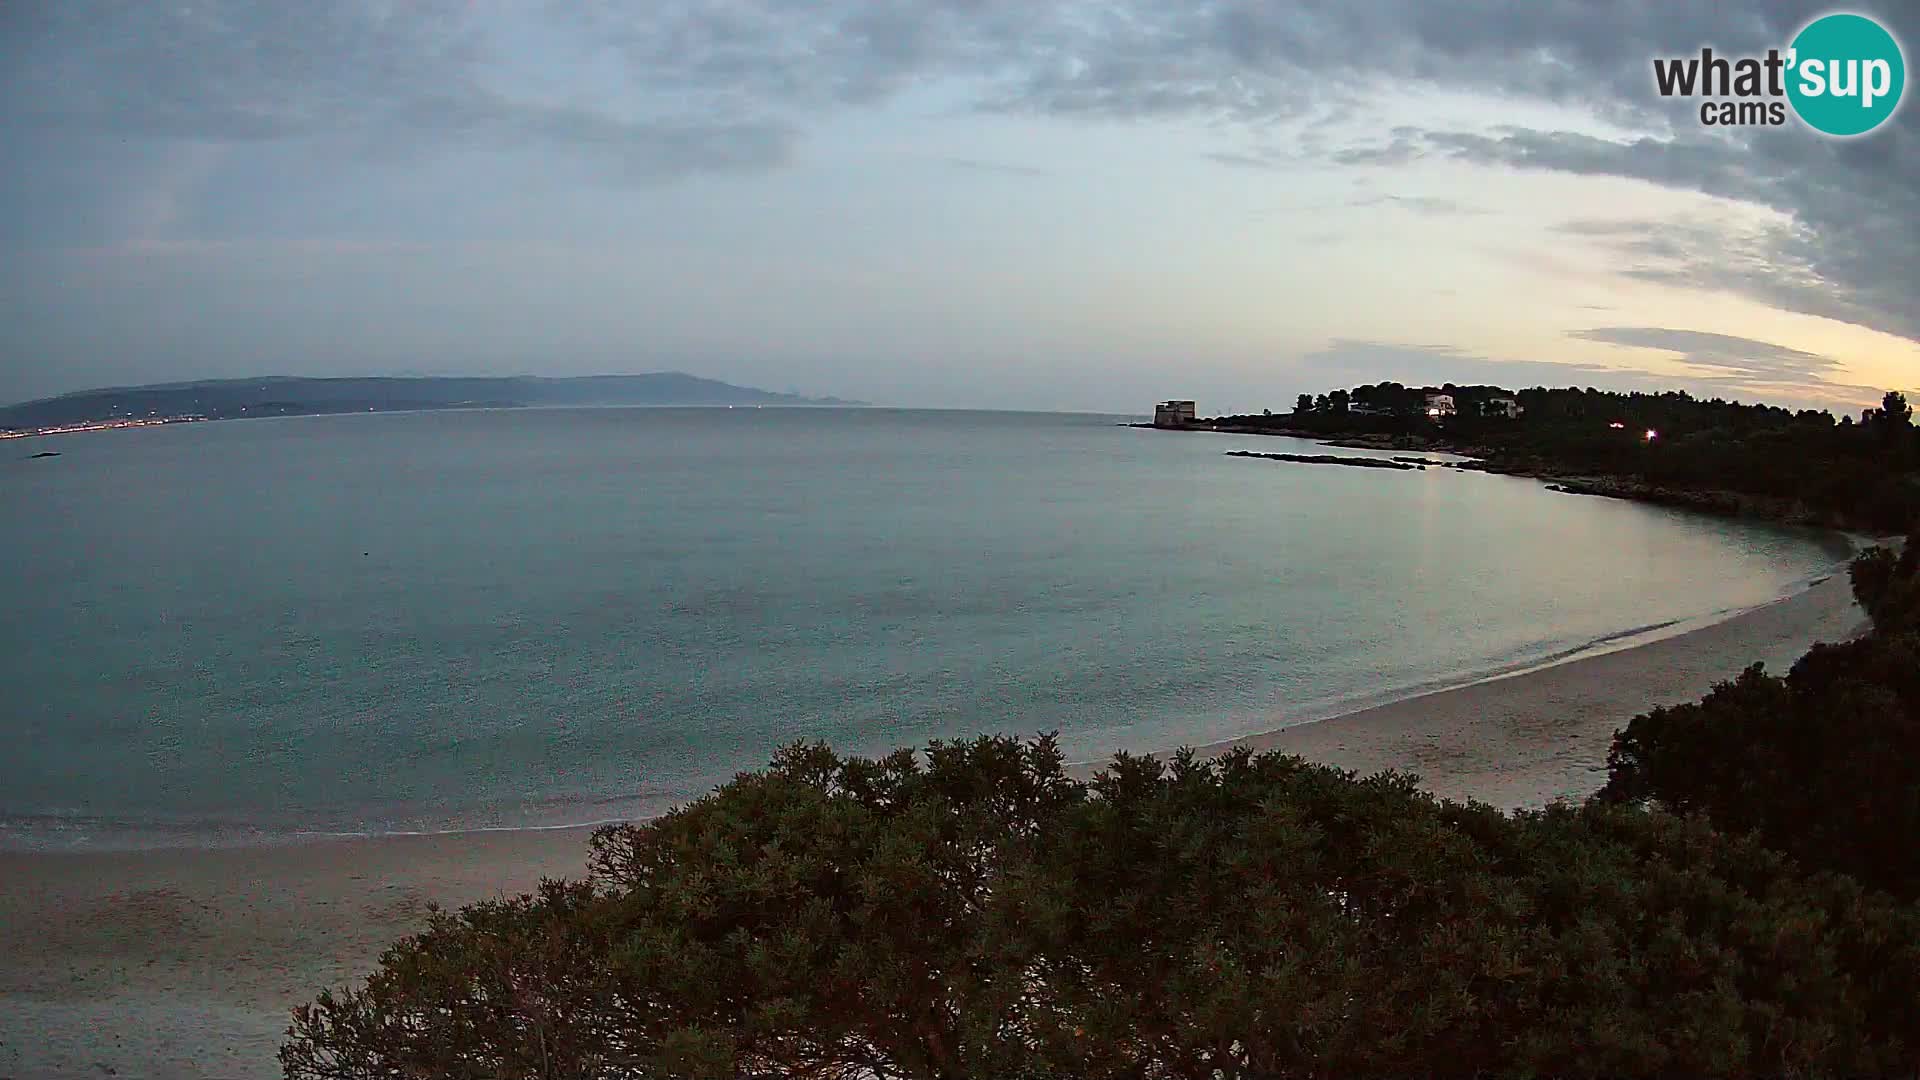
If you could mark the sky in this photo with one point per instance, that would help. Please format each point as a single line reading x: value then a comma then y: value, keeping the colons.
x: 941, y: 203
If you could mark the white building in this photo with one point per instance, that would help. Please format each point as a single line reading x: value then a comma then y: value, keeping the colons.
x: 1501, y: 406
x: 1173, y: 414
x: 1439, y: 405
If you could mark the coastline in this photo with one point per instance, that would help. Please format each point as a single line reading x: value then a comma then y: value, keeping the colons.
x: 1714, y: 502
x: 1525, y: 739
x: 184, y: 962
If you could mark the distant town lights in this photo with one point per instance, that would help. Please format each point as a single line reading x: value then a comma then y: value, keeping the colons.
x: 1652, y: 434
x: 1617, y: 426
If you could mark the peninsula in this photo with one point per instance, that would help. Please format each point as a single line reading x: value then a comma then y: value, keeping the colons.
x: 1722, y: 457
x: 231, y: 399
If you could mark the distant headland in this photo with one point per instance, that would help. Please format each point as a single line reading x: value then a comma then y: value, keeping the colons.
x: 232, y: 399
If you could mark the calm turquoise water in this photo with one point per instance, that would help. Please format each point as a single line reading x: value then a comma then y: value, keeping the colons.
x: 384, y: 622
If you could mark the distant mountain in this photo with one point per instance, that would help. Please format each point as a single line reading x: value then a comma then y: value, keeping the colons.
x: 223, y: 399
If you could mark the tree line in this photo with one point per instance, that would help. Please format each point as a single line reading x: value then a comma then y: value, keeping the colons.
x: 1809, y: 465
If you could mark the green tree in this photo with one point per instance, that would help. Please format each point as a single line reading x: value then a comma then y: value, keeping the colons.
x: 974, y: 911
x: 1303, y: 403
x: 1338, y: 401
x: 1895, y: 410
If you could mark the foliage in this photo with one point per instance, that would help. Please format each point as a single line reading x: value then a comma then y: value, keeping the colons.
x: 1823, y: 764
x: 974, y: 911
x: 1887, y: 585
x: 1861, y: 475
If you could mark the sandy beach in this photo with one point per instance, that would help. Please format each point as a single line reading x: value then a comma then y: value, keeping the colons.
x: 183, y: 963
x: 1528, y: 739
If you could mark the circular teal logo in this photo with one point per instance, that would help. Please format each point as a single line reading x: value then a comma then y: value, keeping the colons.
x: 1845, y: 75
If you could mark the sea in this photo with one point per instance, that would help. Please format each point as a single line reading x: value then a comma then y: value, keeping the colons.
x: 256, y: 631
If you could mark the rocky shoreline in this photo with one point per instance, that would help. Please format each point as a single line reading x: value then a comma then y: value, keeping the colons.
x: 1718, y: 502
x: 1706, y: 501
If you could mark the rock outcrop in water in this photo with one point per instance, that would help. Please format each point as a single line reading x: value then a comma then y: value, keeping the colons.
x: 1330, y: 459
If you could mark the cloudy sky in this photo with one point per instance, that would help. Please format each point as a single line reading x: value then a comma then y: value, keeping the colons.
x: 966, y: 203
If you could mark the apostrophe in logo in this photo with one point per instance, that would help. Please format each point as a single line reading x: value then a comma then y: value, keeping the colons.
x: 1847, y: 74
x: 1843, y: 75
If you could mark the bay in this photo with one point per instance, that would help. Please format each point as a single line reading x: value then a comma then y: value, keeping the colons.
x: 250, y: 630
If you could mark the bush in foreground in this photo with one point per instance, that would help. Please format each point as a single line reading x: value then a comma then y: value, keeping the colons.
x: 1823, y: 764
x: 973, y: 911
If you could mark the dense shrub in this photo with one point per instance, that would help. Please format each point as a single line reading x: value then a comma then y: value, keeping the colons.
x: 973, y: 911
x: 1823, y: 764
